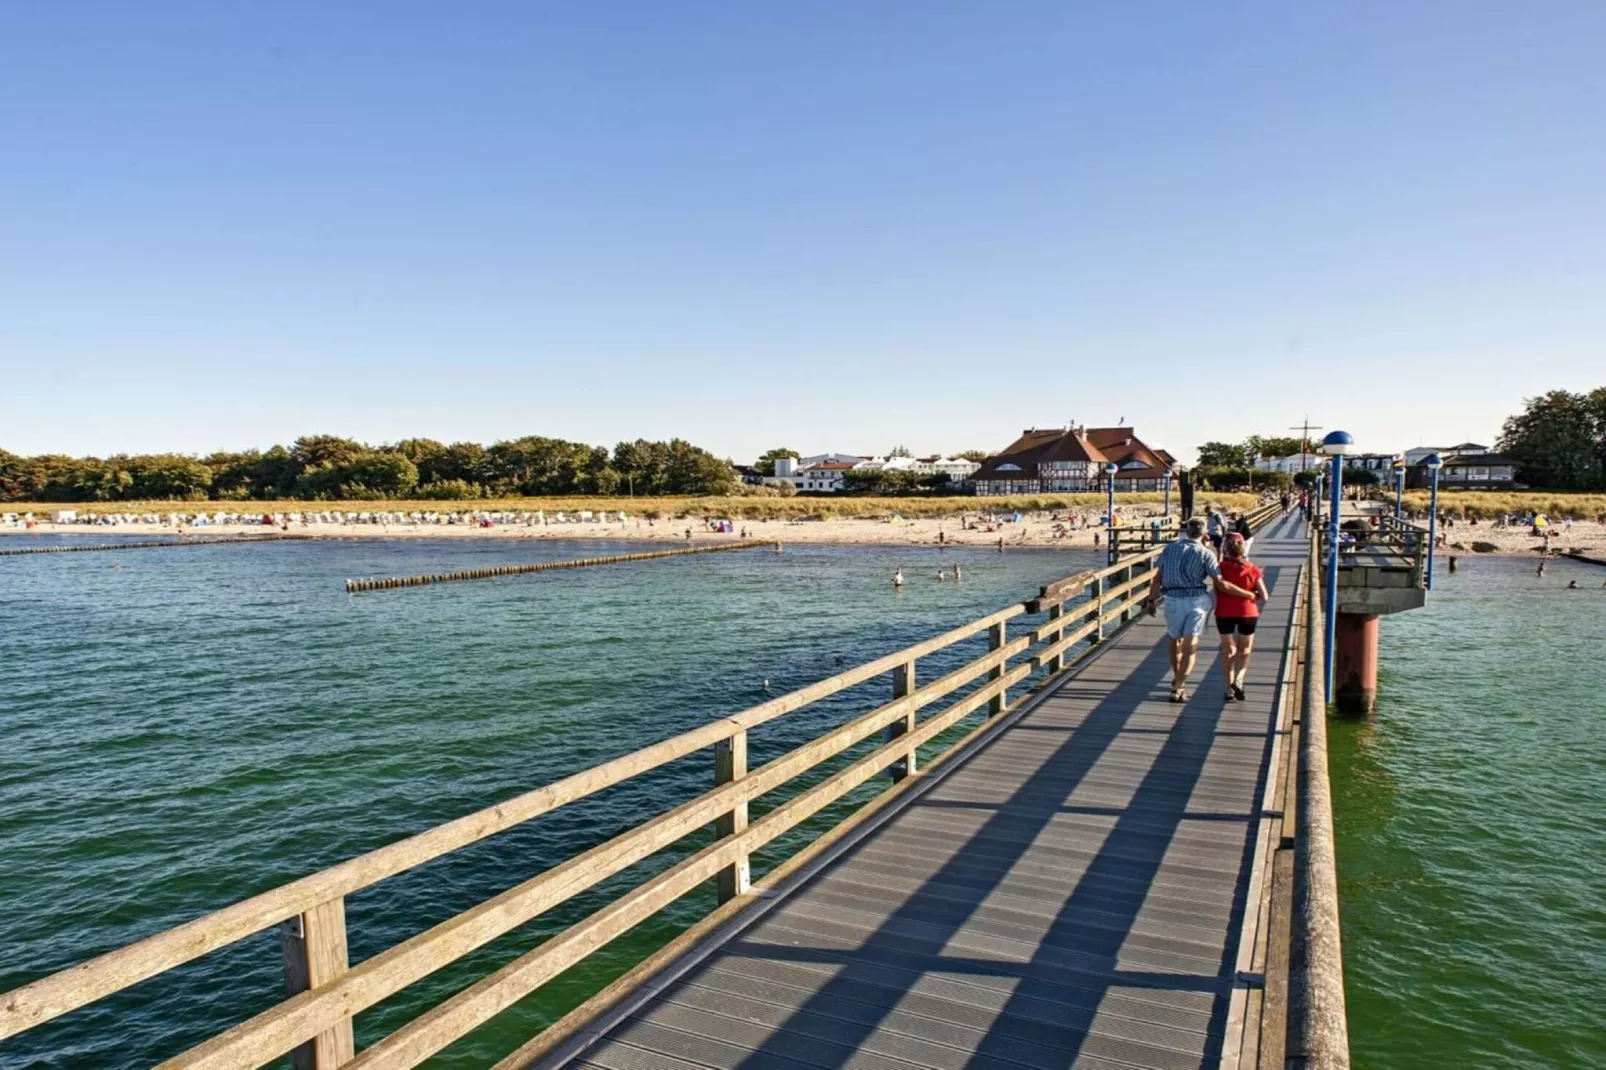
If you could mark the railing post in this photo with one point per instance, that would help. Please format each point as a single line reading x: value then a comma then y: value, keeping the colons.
x: 314, y: 945
x: 1055, y: 612
x: 903, y: 683
x: 1095, y: 597
x: 730, y: 764
x: 995, y: 641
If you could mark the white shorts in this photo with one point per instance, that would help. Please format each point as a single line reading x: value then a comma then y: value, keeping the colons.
x: 1185, y: 614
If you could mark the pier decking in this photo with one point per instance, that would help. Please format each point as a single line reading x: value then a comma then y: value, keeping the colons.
x: 1071, y: 893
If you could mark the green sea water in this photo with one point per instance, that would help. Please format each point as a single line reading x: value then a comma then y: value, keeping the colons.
x: 185, y: 727
x: 1471, y: 816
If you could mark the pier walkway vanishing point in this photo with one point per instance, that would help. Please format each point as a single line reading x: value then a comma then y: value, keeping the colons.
x: 1088, y: 876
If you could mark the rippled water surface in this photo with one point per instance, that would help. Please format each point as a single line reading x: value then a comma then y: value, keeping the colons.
x: 1472, y: 827
x: 184, y: 727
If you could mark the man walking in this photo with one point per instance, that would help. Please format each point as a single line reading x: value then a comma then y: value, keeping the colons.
x: 1185, y: 573
x: 1217, y: 528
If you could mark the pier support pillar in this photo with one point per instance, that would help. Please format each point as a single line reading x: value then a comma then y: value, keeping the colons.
x: 1355, y: 652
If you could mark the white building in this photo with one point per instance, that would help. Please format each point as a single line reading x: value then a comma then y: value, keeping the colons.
x: 1293, y: 463
x: 1414, y: 457
x: 826, y: 477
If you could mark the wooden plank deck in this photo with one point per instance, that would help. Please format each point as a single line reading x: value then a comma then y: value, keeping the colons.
x: 1071, y: 893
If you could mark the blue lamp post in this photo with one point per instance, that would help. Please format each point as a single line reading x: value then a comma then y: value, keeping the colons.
x: 1434, y: 463
x: 1109, y: 509
x: 1335, y: 445
x: 1399, y: 488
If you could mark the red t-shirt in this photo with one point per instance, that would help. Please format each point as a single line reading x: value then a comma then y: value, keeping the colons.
x: 1244, y: 575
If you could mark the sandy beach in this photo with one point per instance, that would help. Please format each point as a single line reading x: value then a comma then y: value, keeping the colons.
x: 1033, y: 530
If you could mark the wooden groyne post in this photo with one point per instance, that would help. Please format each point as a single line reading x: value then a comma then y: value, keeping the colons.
x: 198, y: 541
x: 385, y: 583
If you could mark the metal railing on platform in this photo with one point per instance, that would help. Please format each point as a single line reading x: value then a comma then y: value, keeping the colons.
x: 1384, y: 542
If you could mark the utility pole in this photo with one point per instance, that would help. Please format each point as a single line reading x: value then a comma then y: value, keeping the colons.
x: 1304, y: 439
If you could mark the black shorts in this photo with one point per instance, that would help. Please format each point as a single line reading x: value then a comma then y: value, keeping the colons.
x: 1241, y: 625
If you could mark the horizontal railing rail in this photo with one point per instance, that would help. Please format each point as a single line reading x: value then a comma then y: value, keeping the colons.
x: 315, y: 1023
x: 1144, y: 536
x: 1401, y: 543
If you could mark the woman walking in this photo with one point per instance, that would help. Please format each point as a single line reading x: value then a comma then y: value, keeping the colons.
x: 1236, y: 617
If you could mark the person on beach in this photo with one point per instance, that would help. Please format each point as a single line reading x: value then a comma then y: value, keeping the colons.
x: 1185, y: 573
x: 1236, y: 618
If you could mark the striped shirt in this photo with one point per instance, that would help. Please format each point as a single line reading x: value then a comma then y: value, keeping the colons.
x: 1186, y: 566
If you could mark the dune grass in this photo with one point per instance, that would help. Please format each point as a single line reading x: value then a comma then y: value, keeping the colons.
x: 1483, y: 505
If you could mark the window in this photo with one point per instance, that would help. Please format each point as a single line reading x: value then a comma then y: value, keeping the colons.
x: 1009, y: 468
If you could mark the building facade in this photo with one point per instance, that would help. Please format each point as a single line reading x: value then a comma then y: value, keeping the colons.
x: 1072, y: 460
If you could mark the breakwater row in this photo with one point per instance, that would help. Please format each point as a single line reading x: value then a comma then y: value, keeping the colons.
x: 148, y: 545
x: 385, y: 583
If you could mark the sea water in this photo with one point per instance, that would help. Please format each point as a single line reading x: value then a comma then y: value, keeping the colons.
x: 1471, y: 818
x: 183, y: 727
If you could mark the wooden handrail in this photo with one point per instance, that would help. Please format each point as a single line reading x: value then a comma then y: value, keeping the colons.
x: 53, y: 996
x: 315, y: 1022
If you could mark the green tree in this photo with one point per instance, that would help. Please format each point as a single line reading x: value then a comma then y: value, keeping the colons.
x: 165, y: 476
x: 974, y: 455
x: 1274, y: 446
x: 310, y: 450
x: 428, y: 456
x: 900, y: 451
x: 766, y: 462
x: 1223, y: 455
x: 372, y: 474
x: 1559, y: 440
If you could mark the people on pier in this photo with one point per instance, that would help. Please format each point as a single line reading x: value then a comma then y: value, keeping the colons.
x: 1216, y: 527
x: 1236, y: 618
x: 1184, y: 575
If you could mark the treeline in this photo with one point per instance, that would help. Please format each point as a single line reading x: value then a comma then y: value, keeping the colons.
x: 1559, y: 440
x: 332, y: 468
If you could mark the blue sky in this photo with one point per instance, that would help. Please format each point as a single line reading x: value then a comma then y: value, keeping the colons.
x: 833, y: 226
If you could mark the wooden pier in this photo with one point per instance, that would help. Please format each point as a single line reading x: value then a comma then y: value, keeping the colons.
x: 1081, y: 875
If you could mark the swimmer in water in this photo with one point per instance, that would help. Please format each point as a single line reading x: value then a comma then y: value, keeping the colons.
x: 1572, y: 585
x: 958, y: 574
x: 941, y: 575
x: 897, y: 578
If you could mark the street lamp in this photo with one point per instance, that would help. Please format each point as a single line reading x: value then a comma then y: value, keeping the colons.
x: 1168, y: 475
x: 1399, y: 488
x: 1434, y: 463
x: 1335, y: 445
x: 1109, y: 510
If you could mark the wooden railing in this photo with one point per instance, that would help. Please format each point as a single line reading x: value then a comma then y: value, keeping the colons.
x: 315, y: 1022
x: 1140, y: 538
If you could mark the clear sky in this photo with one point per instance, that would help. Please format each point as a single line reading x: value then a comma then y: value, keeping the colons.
x: 827, y: 225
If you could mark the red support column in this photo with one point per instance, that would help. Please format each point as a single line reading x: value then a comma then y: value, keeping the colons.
x: 1355, y: 651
